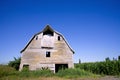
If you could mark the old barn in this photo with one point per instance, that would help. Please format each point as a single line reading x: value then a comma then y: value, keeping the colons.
x: 47, y: 49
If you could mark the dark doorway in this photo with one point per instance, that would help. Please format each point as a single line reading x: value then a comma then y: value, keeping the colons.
x: 26, y: 67
x: 60, y: 66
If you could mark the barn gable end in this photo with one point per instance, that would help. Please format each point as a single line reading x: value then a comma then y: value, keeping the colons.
x: 47, y: 48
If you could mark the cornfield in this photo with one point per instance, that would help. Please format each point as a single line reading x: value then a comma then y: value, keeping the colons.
x: 106, y: 67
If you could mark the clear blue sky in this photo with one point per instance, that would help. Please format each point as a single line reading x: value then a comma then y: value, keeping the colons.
x: 91, y: 27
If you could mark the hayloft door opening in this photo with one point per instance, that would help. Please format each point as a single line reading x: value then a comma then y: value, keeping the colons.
x: 48, y: 32
x: 60, y: 67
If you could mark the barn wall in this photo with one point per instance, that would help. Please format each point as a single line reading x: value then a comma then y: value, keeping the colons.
x: 35, y: 56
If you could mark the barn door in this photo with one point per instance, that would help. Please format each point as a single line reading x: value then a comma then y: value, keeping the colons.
x: 60, y: 67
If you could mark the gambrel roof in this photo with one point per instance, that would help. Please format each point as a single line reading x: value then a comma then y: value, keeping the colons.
x: 46, y: 28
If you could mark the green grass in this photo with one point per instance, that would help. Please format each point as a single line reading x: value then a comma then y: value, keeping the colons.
x: 74, y: 73
x: 38, y: 73
x: 9, y: 73
x: 6, y: 70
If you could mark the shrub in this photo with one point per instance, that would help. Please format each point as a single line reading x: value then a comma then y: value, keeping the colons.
x: 15, y: 63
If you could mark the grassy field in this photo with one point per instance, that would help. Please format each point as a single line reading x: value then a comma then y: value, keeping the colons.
x: 82, y: 71
x: 9, y: 73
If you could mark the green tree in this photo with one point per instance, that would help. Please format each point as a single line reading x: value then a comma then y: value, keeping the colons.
x: 15, y: 63
x: 119, y: 58
x: 107, y: 59
x: 79, y: 61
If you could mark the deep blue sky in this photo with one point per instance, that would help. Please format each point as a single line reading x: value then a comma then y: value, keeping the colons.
x: 91, y: 27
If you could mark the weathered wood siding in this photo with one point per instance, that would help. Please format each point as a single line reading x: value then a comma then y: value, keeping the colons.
x: 35, y: 56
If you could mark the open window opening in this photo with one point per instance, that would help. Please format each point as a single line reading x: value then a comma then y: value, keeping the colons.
x: 48, y: 32
x: 36, y: 38
x: 25, y: 67
x: 60, y: 67
x: 58, y: 38
x: 48, y: 54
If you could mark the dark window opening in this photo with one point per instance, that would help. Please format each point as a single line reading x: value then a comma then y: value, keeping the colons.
x: 60, y: 67
x: 36, y: 37
x: 48, y: 32
x: 26, y: 67
x: 58, y: 38
x: 47, y: 54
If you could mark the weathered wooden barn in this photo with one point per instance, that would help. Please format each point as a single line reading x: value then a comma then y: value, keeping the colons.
x: 47, y: 49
